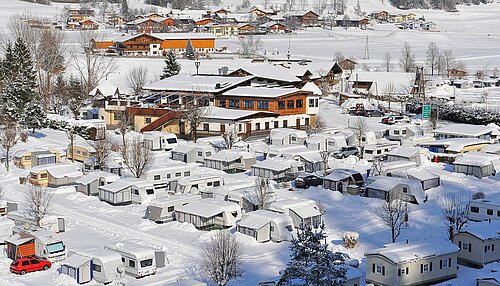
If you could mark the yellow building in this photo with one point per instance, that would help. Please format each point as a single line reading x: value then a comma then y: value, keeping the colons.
x: 225, y: 30
x: 26, y: 159
x: 81, y: 151
x: 397, y: 18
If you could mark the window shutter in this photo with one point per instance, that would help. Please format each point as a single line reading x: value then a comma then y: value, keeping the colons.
x: 470, y: 247
x: 449, y: 262
x: 440, y: 264
x: 399, y: 272
x: 373, y: 267
x: 430, y: 266
x: 421, y: 268
x: 383, y: 270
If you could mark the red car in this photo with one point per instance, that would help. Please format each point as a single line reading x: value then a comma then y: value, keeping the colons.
x: 29, y: 264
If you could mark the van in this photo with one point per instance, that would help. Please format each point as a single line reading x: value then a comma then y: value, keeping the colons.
x: 393, y: 119
x: 198, y: 183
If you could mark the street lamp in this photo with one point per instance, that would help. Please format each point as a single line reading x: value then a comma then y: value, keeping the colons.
x: 197, y: 65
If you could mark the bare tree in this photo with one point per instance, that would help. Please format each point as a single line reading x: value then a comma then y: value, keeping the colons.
x: 316, y: 125
x: 8, y: 139
x: 250, y: 46
x: 454, y: 213
x: 325, y: 155
x: 394, y: 213
x: 125, y: 126
x: 138, y: 158
x: 136, y: 79
x: 432, y: 57
x: 263, y: 192
x: 38, y: 202
x: 407, y: 59
x: 323, y: 83
x: 360, y: 127
x: 222, y: 258
x: 339, y: 56
x: 230, y: 137
x: 102, y: 148
x: 194, y: 116
x: 448, y: 60
x: 387, y: 62
x: 91, y: 67
x: 390, y: 91
x: 72, y: 135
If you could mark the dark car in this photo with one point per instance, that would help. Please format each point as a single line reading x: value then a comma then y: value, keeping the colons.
x: 29, y: 264
x: 306, y: 180
x: 345, y: 152
x: 373, y: 113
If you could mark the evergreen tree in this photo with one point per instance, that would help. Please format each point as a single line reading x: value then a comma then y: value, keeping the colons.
x: 190, y: 54
x: 125, y: 9
x: 76, y: 96
x: 34, y: 116
x: 312, y: 263
x: 172, y: 67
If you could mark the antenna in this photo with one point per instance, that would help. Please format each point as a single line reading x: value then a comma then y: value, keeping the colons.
x: 367, y: 52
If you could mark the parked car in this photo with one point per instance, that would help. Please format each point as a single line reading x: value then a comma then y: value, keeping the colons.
x: 373, y: 113
x: 357, y: 112
x: 29, y: 264
x: 306, y: 180
x: 345, y: 152
x: 393, y: 119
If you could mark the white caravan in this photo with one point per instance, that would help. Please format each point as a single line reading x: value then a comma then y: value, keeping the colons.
x: 54, y: 223
x: 163, y: 209
x: 480, y: 210
x: 140, y: 261
x: 47, y: 245
x: 165, y: 177
x: 379, y: 150
x: 107, y: 265
x: 142, y: 192
x: 198, y: 183
x: 156, y: 140
x: 6, y: 229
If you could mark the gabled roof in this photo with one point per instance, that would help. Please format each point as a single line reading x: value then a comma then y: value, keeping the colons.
x: 229, y: 155
x: 197, y: 83
x: 264, y: 92
x: 483, y: 230
x: 277, y: 164
x: 270, y: 72
x: 467, y: 130
x: 76, y: 260
x: 208, y: 208
x: 233, y: 114
x: 341, y: 174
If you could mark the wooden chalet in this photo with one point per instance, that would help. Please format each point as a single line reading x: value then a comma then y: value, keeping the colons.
x: 262, y: 12
x: 456, y: 73
x: 304, y: 18
x: 348, y: 64
x: 88, y: 24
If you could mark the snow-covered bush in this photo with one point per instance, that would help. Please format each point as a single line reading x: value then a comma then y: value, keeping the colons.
x: 350, y: 239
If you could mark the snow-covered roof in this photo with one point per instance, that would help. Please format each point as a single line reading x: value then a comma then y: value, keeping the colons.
x: 153, y: 135
x: 291, y: 149
x: 311, y: 156
x: 121, y: 184
x: 4, y: 221
x: 381, y: 145
x: 421, y: 174
x: 312, y: 87
x: 477, y: 159
x: 352, y: 273
x: 414, y: 251
x: 386, y: 166
x: 188, y: 179
x: 138, y: 251
x: 76, y: 260
x: 492, y: 149
x: 384, y: 183
x: 230, y: 155
x: 264, y: 92
x: 168, y: 200
x: 91, y: 177
x: 407, y: 151
x: 467, y: 130
x: 259, y: 218
x: 230, y: 114
x: 271, y: 72
x: 98, y: 253
x: 341, y: 174
x: 197, y: 83
x: 277, y: 164
x: 399, y: 81
x: 280, y: 133
x: 483, y: 230
x: 207, y: 208
x: 188, y: 147
x: 58, y: 170
x: 282, y: 205
x: 455, y: 144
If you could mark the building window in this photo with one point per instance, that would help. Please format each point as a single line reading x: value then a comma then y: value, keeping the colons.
x: 234, y: 103
x: 266, y: 125
x: 257, y: 126
x: 281, y: 105
x: 290, y: 104
x: 240, y: 127
x: 276, y: 124
x: 248, y: 104
x: 261, y: 104
x: 205, y: 126
x: 299, y: 103
x: 285, y: 123
x: 444, y: 263
x: 222, y: 103
x: 311, y: 102
x: 156, y: 177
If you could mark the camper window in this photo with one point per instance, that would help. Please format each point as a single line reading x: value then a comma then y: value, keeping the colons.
x: 135, y: 192
x: 131, y: 263
x: 157, y: 177
x: 216, y: 184
x: 178, y: 174
x: 405, y: 189
x: 200, y: 153
x: 27, y: 158
x: 498, y: 213
x: 209, y: 184
x: 289, y: 228
x: 169, y: 176
x: 171, y: 140
x: 55, y: 247
x: 146, y: 263
x: 474, y: 209
x: 208, y: 153
x: 235, y: 214
x: 368, y: 152
x: 489, y: 212
x: 300, y: 168
x: 43, y: 176
x: 170, y: 209
x: 96, y: 268
x: 379, y: 151
x: 150, y: 191
x: 187, y: 174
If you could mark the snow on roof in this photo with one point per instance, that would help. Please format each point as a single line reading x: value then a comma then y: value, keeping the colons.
x: 400, y: 81
x: 98, y: 253
x: 264, y: 92
x: 76, y: 260
x: 381, y: 145
x: 386, y: 166
x: 483, y: 230
x: 467, y: 130
x: 352, y: 273
x: 259, y: 218
x: 280, y: 133
x: 253, y: 221
x: 404, y: 252
x: 188, y: 147
x: 455, y: 144
x: 207, y: 208
x: 20, y: 238
x: 492, y: 149
x: 312, y: 87
x: 282, y: 205
x: 229, y: 155
x: 186, y: 282
x: 91, y: 177
x: 271, y: 71
x: 476, y: 159
x: 230, y: 114
x: 421, y: 174
x: 120, y: 185
x: 407, y: 151
x: 291, y: 149
x: 311, y: 156
x: 152, y: 135
x: 188, y: 179
x: 385, y: 183
x: 277, y: 164
x: 58, y: 170
x: 4, y: 221
x: 138, y: 251
x: 168, y: 200
x: 197, y: 83
x: 341, y: 174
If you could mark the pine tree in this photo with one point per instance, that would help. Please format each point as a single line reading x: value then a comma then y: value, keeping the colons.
x: 34, y: 116
x: 75, y: 94
x: 172, y: 67
x: 312, y: 263
x: 190, y: 54
x: 125, y: 9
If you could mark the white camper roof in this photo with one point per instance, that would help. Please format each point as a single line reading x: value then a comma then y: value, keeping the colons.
x: 477, y: 159
x: 385, y: 183
x: 138, y: 251
x: 91, y: 177
x: 208, y: 207
x: 120, y: 185
x: 104, y: 255
x: 187, y: 180
x: 58, y: 170
x: 230, y: 155
x: 168, y: 200
x: 492, y: 149
x: 468, y: 130
x: 407, y: 151
x: 277, y: 164
x: 282, y: 132
x: 341, y: 174
x: 4, y: 221
x: 455, y: 144
x: 403, y: 252
x: 483, y: 230
x: 281, y: 206
x: 76, y: 260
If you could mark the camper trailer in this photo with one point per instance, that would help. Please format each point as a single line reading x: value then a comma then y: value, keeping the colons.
x: 230, y: 161
x: 192, y: 153
x: 209, y: 213
x: 162, y: 209
x: 127, y: 191
x: 286, y: 136
x: 140, y: 261
x: 378, y: 151
x: 302, y: 212
x: 6, y: 229
x: 198, y: 183
x: 156, y: 140
x: 107, y: 266
x: 90, y: 183
x: 278, y: 169
x: 7, y: 207
x: 480, y: 210
x: 54, y: 223
x: 264, y: 225
x: 286, y: 151
x: 325, y: 142
x: 35, y: 241
x: 165, y: 177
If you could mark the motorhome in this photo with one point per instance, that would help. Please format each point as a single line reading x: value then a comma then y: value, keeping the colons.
x: 165, y: 177
x: 162, y: 209
x: 198, y: 183
x: 379, y: 150
x: 140, y: 261
x: 54, y: 223
x: 107, y: 265
x: 480, y: 210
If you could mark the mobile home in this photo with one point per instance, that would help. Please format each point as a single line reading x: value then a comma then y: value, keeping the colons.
x: 198, y: 183
x: 379, y: 150
x: 479, y: 210
x: 90, y: 183
x: 78, y: 267
x: 54, y: 175
x: 54, y: 223
x: 411, y: 154
x: 477, y: 164
x: 264, y: 225
x: 192, y: 153
x: 427, y: 179
x: 165, y: 177
x: 285, y: 151
x: 400, y: 132
x: 388, y: 168
x: 107, y: 265
x: 488, y: 133
x: 26, y: 159
x: 162, y: 209
x: 477, y: 242
x: 140, y: 261
x: 302, y: 212
x: 209, y: 213
x: 286, y: 136
x: 156, y: 140
x: 81, y: 151
x: 325, y: 142
x: 230, y: 161
x: 312, y: 161
x: 6, y: 228
x: 278, y: 169
x: 419, y: 263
